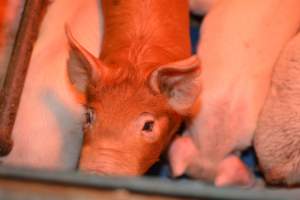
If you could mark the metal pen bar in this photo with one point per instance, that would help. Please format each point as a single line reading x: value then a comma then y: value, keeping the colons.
x: 10, y: 94
x: 182, y: 189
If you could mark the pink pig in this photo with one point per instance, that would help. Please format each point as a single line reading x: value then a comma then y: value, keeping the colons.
x: 276, y: 138
x: 240, y: 41
x: 47, y: 131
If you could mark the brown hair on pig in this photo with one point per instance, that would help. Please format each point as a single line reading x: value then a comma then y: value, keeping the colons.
x: 138, y: 91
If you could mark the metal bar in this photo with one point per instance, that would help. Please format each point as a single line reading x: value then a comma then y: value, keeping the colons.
x: 17, y: 68
x: 146, y: 185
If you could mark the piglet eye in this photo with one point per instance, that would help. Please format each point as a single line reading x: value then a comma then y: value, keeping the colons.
x: 148, y: 126
x: 89, y: 116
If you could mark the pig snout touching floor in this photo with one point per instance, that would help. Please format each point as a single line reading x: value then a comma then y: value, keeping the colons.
x: 137, y: 92
x: 277, y: 137
x: 240, y: 42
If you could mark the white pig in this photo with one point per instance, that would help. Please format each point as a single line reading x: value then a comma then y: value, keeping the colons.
x: 240, y: 41
x: 47, y: 132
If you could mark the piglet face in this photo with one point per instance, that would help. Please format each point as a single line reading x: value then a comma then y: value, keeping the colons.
x: 126, y: 129
x: 131, y: 111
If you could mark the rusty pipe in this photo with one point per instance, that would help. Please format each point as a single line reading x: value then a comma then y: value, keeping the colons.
x: 10, y: 94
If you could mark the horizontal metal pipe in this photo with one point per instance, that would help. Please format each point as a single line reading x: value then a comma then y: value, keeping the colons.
x: 146, y: 185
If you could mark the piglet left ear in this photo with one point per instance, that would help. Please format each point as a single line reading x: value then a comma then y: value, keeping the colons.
x: 180, y: 82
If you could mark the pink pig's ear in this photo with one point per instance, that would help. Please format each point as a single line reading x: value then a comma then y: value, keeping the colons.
x: 83, y: 67
x: 180, y: 82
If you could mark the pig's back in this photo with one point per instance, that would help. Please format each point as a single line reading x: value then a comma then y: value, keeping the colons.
x: 157, y: 29
x: 277, y: 137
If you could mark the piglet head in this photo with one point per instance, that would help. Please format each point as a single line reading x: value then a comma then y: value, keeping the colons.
x: 131, y: 112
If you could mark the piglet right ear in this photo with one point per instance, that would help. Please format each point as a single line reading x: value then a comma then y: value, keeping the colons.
x: 83, y: 67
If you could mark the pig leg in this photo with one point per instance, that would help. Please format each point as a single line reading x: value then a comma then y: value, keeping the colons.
x: 232, y: 171
x: 181, y: 154
x: 277, y: 137
x: 185, y: 158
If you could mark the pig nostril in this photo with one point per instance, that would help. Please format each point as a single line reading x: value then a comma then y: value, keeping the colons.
x: 148, y: 126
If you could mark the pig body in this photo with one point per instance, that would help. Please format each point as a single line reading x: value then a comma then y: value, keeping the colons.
x: 136, y: 93
x: 47, y: 132
x: 10, y: 12
x: 240, y: 41
x: 276, y: 139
